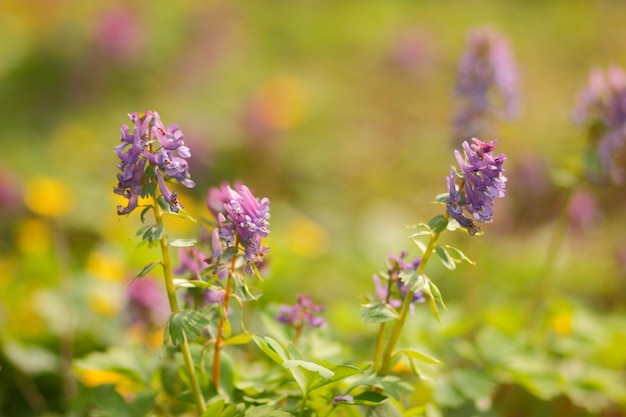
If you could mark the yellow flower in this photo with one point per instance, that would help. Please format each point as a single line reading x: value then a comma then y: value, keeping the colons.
x: 105, y: 267
x: 48, y: 197
x: 95, y: 377
x: 33, y: 236
x: 104, y: 302
x: 307, y: 238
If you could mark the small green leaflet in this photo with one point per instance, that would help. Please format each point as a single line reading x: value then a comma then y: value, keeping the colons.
x: 415, y: 281
x: 438, y: 224
x: 186, y: 324
x: 420, y: 356
x: 325, y: 373
x: 144, y: 271
x: 183, y: 243
x: 377, y: 312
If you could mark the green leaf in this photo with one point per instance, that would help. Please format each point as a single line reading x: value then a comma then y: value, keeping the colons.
x: 434, y: 290
x: 229, y: 253
x: 154, y: 233
x: 420, y: 244
x: 266, y: 411
x: 165, y: 206
x: 214, y: 409
x: 309, y: 366
x: 457, y: 255
x: 433, y: 307
x: 142, y: 230
x: 109, y: 403
x: 442, y: 198
x: 185, y: 324
x: 340, y: 372
x: 420, y: 356
x: 446, y: 259
x: 148, y: 190
x: 377, y: 312
x: 142, y: 403
x: 142, y: 216
x: 240, y: 339
x: 183, y: 243
x: 146, y: 269
x: 386, y: 409
x: 421, y: 233
x: 369, y: 398
x: 473, y: 384
x: 271, y: 348
x: 415, y: 281
x: 438, y: 223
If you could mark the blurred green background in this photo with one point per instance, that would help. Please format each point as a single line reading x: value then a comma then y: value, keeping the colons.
x: 338, y: 111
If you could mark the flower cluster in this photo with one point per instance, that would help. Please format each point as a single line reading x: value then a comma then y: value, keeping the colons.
x: 304, y: 313
x: 192, y: 263
x: 481, y: 181
x: 242, y: 219
x: 150, y: 144
x: 602, y: 106
x: 395, y: 266
x: 486, y: 71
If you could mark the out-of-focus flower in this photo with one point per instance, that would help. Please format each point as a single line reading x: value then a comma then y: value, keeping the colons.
x: 151, y: 144
x: 192, y: 262
x: 413, y: 52
x: 48, y: 197
x: 146, y: 302
x: 602, y: 107
x: 385, y: 283
x: 304, y: 313
x: 10, y: 193
x: 347, y: 399
x: 241, y: 218
x: 480, y: 182
x: 487, y: 84
x: 583, y: 211
x: 118, y: 33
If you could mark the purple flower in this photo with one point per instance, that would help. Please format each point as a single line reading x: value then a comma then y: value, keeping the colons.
x: 302, y: 314
x: 151, y: 144
x: 487, y: 83
x: 393, y: 285
x: 192, y: 262
x: 241, y: 218
x: 339, y: 399
x: 602, y: 107
x: 480, y: 182
x: 146, y: 302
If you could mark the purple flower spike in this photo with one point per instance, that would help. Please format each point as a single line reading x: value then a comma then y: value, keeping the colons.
x: 239, y: 214
x: 481, y: 181
x: 389, y: 286
x: 304, y: 313
x: 602, y: 107
x: 153, y: 144
x: 487, y: 83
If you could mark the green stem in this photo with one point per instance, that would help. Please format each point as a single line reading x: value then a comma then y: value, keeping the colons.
x: 385, y: 368
x: 171, y: 295
x: 219, y: 338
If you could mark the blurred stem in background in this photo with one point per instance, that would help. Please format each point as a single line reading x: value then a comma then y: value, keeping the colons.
x: 171, y: 295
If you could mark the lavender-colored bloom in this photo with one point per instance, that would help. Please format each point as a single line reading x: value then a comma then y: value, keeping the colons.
x: 241, y: 217
x: 481, y: 181
x: 146, y: 302
x: 304, y: 313
x: 583, y: 211
x: 602, y: 107
x: 150, y: 143
x: 487, y: 84
x: 389, y: 284
x: 192, y: 262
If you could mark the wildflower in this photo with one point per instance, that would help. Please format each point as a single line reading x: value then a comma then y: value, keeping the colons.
x: 150, y: 144
x: 481, y: 180
x: 302, y: 314
x: 487, y: 82
x: 241, y: 218
x: 601, y: 107
x: 395, y: 266
x: 146, y: 302
x: 192, y: 262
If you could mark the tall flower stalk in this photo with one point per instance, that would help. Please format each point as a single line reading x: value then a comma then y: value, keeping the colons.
x: 242, y: 223
x: 150, y: 156
x: 470, y: 198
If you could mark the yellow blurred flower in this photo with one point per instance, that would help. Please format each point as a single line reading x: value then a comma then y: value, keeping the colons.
x: 563, y: 323
x: 48, y: 197
x: 105, y: 267
x: 33, y: 236
x: 95, y: 377
x: 104, y: 302
x: 306, y: 237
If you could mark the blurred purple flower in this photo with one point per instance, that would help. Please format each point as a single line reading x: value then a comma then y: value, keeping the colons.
x: 385, y: 291
x: 602, y: 107
x: 153, y: 144
x: 192, y: 262
x: 118, y: 33
x: 481, y: 181
x: 487, y: 84
x: 146, y: 302
x: 302, y: 314
x: 583, y: 211
x: 348, y: 399
x: 242, y: 217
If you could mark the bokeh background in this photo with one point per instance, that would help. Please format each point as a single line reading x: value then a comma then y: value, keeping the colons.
x: 338, y: 111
